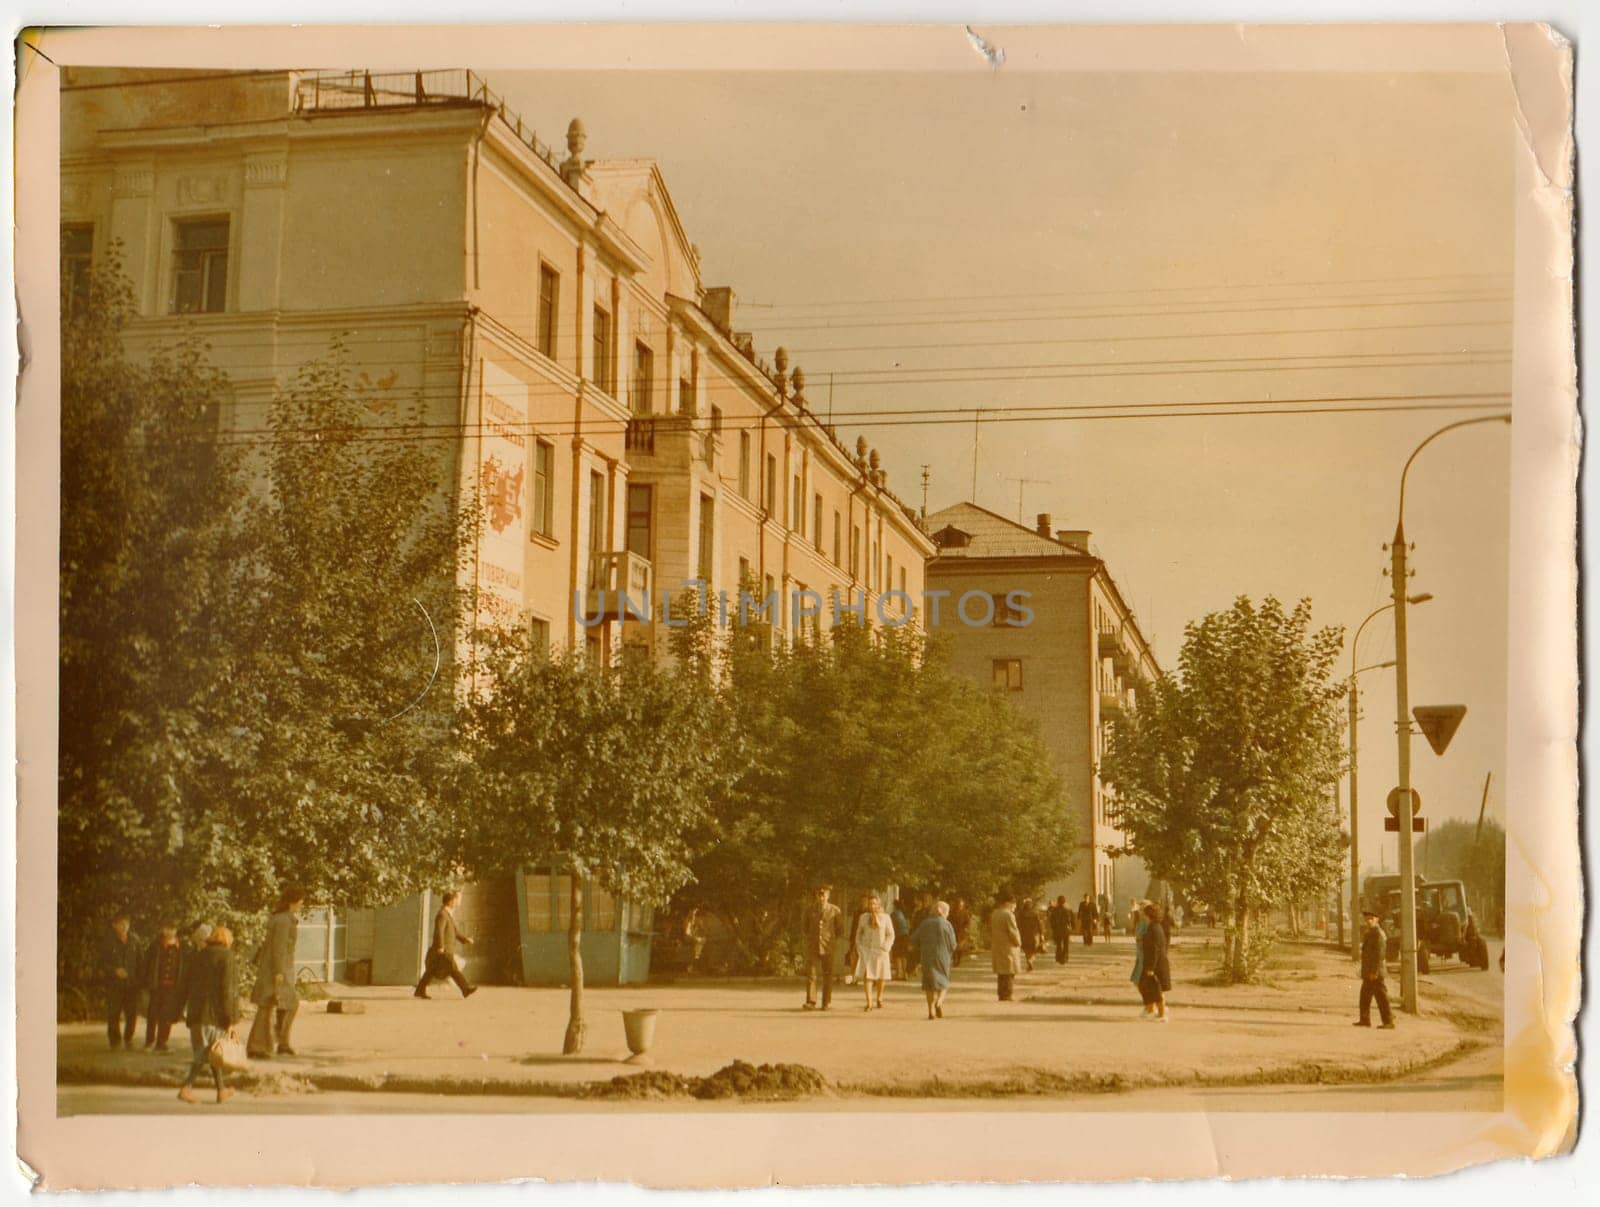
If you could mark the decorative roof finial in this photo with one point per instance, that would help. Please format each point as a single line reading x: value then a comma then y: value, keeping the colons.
x: 574, y: 165
x: 798, y: 380
x: 872, y: 459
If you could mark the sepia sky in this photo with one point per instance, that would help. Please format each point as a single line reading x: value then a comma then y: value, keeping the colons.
x: 1016, y: 240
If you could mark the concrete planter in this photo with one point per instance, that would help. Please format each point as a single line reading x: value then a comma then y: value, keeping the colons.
x: 640, y: 1028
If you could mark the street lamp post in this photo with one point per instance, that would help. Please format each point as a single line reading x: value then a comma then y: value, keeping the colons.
x: 1355, y: 816
x: 1402, y: 709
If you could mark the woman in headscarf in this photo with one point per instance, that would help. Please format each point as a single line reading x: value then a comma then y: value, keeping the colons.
x: 874, y: 946
x: 212, y: 1009
x: 1156, y: 978
x: 935, y: 941
x: 1141, y: 924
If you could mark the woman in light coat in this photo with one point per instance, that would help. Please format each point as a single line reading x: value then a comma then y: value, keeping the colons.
x: 874, y: 946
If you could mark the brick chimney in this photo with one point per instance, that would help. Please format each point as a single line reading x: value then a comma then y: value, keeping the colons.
x: 718, y: 306
x: 1042, y: 525
x: 1074, y: 538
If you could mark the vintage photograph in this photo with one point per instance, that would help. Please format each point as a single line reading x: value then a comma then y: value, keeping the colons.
x: 593, y: 591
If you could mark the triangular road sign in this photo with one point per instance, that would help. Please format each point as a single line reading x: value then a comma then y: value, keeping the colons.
x: 1439, y: 722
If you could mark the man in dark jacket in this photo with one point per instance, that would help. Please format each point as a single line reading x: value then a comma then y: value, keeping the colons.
x: 119, y: 977
x: 822, y: 926
x: 1060, y: 915
x: 1086, y: 920
x: 441, y: 961
x: 212, y: 1008
x: 163, y: 980
x: 1155, y: 979
x: 1373, y: 941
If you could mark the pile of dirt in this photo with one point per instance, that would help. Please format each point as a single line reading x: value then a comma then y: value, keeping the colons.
x: 756, y: 1083
x: 769, y: 1082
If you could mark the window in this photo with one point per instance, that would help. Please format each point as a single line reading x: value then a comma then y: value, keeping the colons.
x: 541, y: 635
x: 744, y: 465
x: 745, y: 578
x: 549, y: 300
x: 639, y: 508
x: 816, y: 522
x: 903, y: 590
x: 686, y: 397
x: 855, y: 550
x: 771, y: 593
x: 597, y: 524
x: 77, y: 257
x: 1005, y: 616
x: 836, y: 522
x: 888, y: 572
x: 770, y: 501
x: 200, y: 267
x: 602, y: 349
x: 644, y: 368
x: 549, y: 904
x: 797, y: 517
x: 707, y: 533
x: 716, y: 421
x: 544, y: 487
x: 1008, y: 674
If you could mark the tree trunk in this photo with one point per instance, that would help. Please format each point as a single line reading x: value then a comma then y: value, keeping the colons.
x: 1238, y: 965
x: 576, y: 1027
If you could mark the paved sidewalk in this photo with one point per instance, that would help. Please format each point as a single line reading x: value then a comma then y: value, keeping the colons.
x: 1072, y: 1029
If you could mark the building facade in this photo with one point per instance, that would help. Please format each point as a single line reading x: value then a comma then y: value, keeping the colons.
x: 1035, y: 613
x: 546, y: 314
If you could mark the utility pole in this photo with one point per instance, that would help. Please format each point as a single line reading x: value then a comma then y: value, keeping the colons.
x: 974, y: 496
x: 1021, y: 482
x: 1482, y: 805
x: 925, y: 477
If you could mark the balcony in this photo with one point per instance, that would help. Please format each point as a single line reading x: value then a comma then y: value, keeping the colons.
x: 1114, y: 644
x: 614, y: 575
x: 641, y: 438
x: 671, y: 441
x: 1110, y: 703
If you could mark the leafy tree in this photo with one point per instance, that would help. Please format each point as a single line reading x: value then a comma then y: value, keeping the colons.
x: 608, y: 773
x: 249, y: 637
x: 871, y: 764
x: 150, y: 513
x: 1224, y: 770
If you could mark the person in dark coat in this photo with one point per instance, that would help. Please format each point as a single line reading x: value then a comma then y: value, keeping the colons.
x: 1155, y: 974
x: 163, y: 980
x: 1373, y: 942
x: 1103, y: 905
x: 441, y: 960
x: 274, y: 994
x: 119, y: 977
x: 935, y: 938
x: 1005, y: 946
x: 902, y: 940
x: 1031, y: 929
x: 1060, y: 916
x: 1086, y: 920
x: 212, y: 1008
x: 961, y: 923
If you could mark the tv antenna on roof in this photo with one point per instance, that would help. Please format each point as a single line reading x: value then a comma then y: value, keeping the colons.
x: 1022, y: 482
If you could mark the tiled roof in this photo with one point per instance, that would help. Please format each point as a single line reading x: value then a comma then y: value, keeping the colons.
x: 994, y: 535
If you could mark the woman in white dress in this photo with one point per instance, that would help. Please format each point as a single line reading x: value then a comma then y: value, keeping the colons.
x: 874, y: 942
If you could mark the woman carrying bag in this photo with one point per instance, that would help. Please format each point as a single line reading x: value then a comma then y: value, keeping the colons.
x: 211, y: 1012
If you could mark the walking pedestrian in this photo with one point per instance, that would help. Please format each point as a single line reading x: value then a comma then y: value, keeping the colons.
x: 1086, y: 920
x: 961, y: 923
x: 119, y: 977
x: 874, y: 947
x: 823, y: 926
x: 1155, y: 979
x: 212, y: 1008
x: 694, y: 938
x: 899, y: 960
x: 1005, y: 945
x: 850, y: 952
x: 1373, y: 942
x: 1029, y: 926
x: 1060, y: 917
x: 1140, y: 925
x: 921, y: 909
x: 935, y: 939
x: 274, y: 993
x: 1103, y: 913
x: 443, y: 960
x: 163, y: 980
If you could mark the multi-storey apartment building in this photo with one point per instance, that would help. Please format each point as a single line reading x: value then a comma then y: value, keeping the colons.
x: 547, y: 312
x: 1036, y: 614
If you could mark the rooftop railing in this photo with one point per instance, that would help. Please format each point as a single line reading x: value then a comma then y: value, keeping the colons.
x: 323, y: 91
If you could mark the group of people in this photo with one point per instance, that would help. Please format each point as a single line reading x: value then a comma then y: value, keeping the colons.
x: 1063, y: 922
x: 881, y: 943
x: 196, y: 979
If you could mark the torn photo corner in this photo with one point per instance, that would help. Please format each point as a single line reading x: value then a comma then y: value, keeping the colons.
x: 745, y: 586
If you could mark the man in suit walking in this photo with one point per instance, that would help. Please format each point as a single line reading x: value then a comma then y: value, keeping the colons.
x: 441, y: 961
x: 119, y: 975
x: 274, y: 993
x: 823, y: 927
x: 1373, y: 942
x: 1005, y: 946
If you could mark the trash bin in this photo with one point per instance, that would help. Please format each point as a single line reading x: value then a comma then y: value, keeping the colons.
x: 639, y: 1026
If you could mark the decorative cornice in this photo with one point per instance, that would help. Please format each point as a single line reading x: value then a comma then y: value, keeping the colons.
x: 134, y: 182
x: 261, y: 171
x: 202, y: 190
